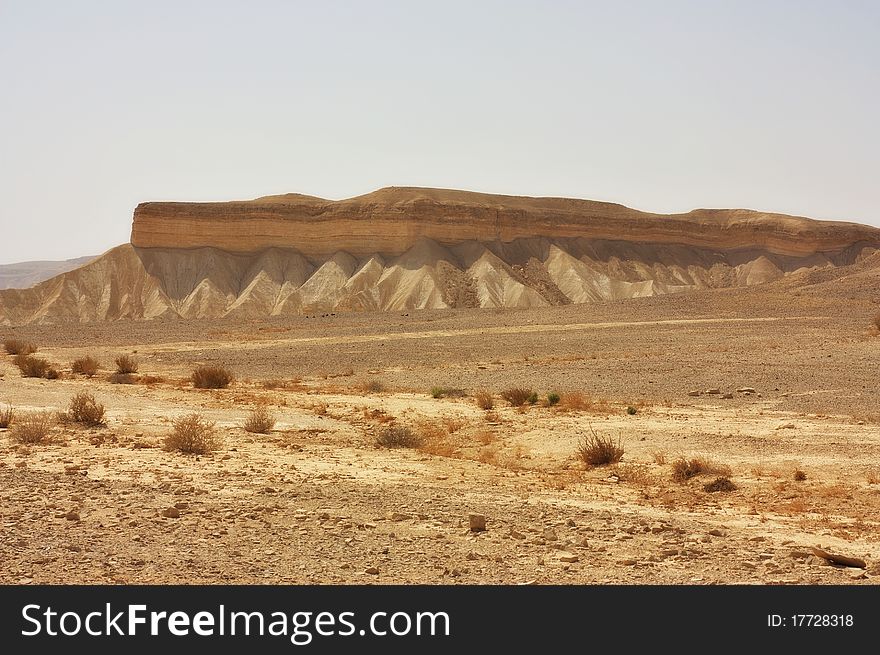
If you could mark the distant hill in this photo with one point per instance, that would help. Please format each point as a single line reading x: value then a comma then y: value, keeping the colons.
x: 23, y: 275
x: 410, y: 248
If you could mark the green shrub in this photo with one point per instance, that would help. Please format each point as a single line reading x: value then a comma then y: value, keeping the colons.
x: 553, y: 398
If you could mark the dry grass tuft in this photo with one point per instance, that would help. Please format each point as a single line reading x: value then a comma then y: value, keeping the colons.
x: 126, y: 364
x: 33, y: 427
x: 211, y: 377
x: 18, y: 347
x: 594, y: 450
x: 659, y: 457
x: 260, y: 421
x: 193, y: 434
x: 372, y: 386
x: 447, y: 392
x: 454, y: 423
x: 684, y: 469
x: 87, y: 366
x: 35, y: 367
x: 634, y: 473
x: 484, y: 400
x: 84, y: 409
x: 7, y: 416
x: 398, y: 436
x: 719, y: 484
x: 518, y: 396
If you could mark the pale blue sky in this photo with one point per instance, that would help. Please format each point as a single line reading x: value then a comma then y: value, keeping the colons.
x: 664, y: 106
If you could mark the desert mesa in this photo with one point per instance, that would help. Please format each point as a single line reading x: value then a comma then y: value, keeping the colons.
x: 404, y: 248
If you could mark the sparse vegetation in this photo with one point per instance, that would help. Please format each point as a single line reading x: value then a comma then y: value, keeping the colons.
x: 799, y: 475
x: 126, y: 365
x: 87, y: 366
x: 517, y: 396
x: 122, y: 378
x: 719, y: 484
x: 84, y: 409
x: 447, y: 392
x: 533, y: 398
x: 373, y: 386
x: 684, y: 469
x: 553, y: 398
x: 595, y: 450
x: 32, y: 427
x: 7, y: 416
x: 35, y: 367
x: 18, y: 347
x: 399, y: 436
x: 193, y: 434
x: 211, y: 377
x: 260, y: 421
x: 484, y: 400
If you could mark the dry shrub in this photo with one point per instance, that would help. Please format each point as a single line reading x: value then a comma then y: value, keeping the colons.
x: 84, y: 409
x: 35, y: 367
x: 32, y: 427
x: 193, y: 434
x: 320, y: 409
x: 260, y: 421
x: 211, y: 377
x: 684, y: 469
x: 574, y: 401
x: 492, y: 417
x: 6, y: 416
x: 799, y: 476
x: 122, y: 378
x: 486, y: 437
x: 659, y: 457
x: 126, y: 364
x: 399, y: 436
x: 594, y: 450
x: 87, y: 366
x: 488, y: 455
x: 518, y: 396
x: 484, y: 400
x: 454, y: 424
x: 18, y: 347
x: 151, y: 379
x: 447, y: 392
x: 435, y: 440
x: 634, y: 473
x: 719, y: 484
x: 379, y: 415
x: 372, y: 386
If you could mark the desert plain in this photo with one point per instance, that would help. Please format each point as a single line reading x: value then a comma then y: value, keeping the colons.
x: 773, y: 387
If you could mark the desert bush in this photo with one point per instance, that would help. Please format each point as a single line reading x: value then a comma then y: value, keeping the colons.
x: 373, y: 386
x: 6, y: 416
x: 574, y: 401
x: 211, y: 377
x: 18, y: 347
x: 595, y: 450
x: 517, y: 396
x: 447, y: 392
x: 126, y: 364
x: 32, y: 427
x: 399, y: 436
x: 193, y: 434
x: 87, y: 366
x: 122, y: 378
x: 719, y: 484
x: 799, y: 476
x: 35, y: 367
x: 631, y: 411
x: 553, y: 398
x: 83, y: 408
x: 484, y: 400
x: 659, y: 457
x: 260, y: 421
x: 684, y: 469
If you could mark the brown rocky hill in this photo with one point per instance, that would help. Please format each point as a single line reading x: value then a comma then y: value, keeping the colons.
x: 411, y: 248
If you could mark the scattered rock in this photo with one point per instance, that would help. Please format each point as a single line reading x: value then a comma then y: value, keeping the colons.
x: 746, y: 390
x: 171, y: 513
x: 550, y: 534
x: 785, y: 426
x: 477, y: 522
x: 843, y: 560
x: 565, y: 556
x: 72, y: 515
x: 717, y: 532
x: 714, y: 391
x: 695, y: 392
x: 181, y: 505
x: 372, y: 571
x: 727, y: 396
x: 856, y: 574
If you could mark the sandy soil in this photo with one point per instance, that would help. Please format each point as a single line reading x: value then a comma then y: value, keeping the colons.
x: 318, y: 501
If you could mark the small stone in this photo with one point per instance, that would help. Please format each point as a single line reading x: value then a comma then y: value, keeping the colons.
x: 785, y: 426
x: 856, y: 574
x: 372, y: 571
x: 181, y: 505
x: 714, y: 391
x: 727, y: 396
x: 477, y: 522
x: 550, y: 534
x: 695, y: 392
x: 565, y: 556
x: 398, y: 516
x: 72, y: 516
x: 628, y: 562
x: 746, y: 390
x: 171, y: 513
x: 658, y: 527
x: 516, y: 535
x: 717, y: 532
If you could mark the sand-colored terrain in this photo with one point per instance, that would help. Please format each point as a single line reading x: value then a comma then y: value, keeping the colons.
x: 318, y: 501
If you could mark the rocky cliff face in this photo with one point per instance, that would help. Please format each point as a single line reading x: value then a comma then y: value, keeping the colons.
x: 399, y: 249
x: 391, y: 221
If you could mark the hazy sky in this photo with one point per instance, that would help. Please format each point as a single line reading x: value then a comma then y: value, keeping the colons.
x: 664, y: 106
